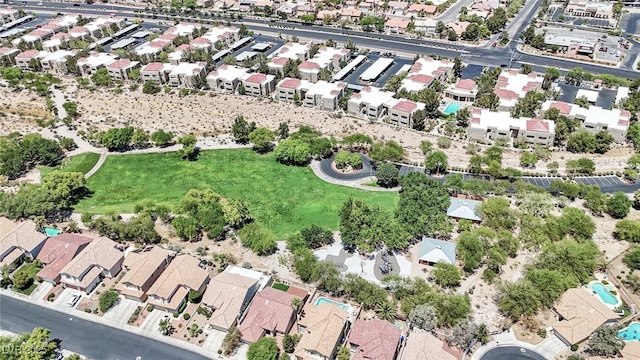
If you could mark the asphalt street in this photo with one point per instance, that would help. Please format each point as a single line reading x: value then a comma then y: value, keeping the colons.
x: 367, y: 169
x: 97, y: 341
x: 481, y: 55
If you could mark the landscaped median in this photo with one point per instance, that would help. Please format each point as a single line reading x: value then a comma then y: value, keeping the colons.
x: 282, y: 198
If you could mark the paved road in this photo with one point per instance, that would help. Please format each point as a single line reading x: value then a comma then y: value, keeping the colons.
x: 97, y: 341
x: 367, y: 170
x: 486, y: 56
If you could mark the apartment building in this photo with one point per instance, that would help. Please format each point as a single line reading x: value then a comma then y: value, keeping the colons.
x: 156, y: 71
x: 225, y: 35
x: 424, y: 71
x: 90, y: 64
x: 8, y: 56
x: 289, y: 51
x: 226, y: 78
x: 615, y: 121
x: 181, y: 29
x: 401, y: 111
x: 120, y: 70
x: 259, y: 84
x: 96, y: 28
x: 56, y: 42
x: 490, y: 125
x: 328, y: 58
x: 26, y: 60
x: 324, y: 95
x: 369, y: 103
x: 8, y: 15
x: 512, y: 85
x: 151, y: 49
x: 176, y: 56
x: 290, y: 89
x: 56, y: 61
x: 463, y: 91
x: 188, y: 74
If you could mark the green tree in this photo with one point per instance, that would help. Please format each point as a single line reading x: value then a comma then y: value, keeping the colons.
x: 231, y: 340
x: 386, y: 310
x: 258, y: 239
x: 107, y: 300
x: 262, y: 139
x: 627, y: 230
x: 576, y: 261
x: 423, y: 317
x: 462, y: 117
x: 387, y: 175
x: 162, y: 138
x: 343, y: 353
x: 186, y: 227
x: 283, y: 131
x: 315, y: 236
x: 386, y: 151
x: 140, y: 139
x: 22, y: 279
x: 293, y: 152
x: 618, y: 205
x: 446, y: 275
x: 241, y: 129
x: 151, y: 87
x: 436, y: 162
x: 423, y: 205
x: 518, y: 299
x: 595, y: 201
x: 101, y: 77
x: 496, y: 213
x: 71, y: 108
x: 470, y: 250
x: 605, y: 342
x: 289, y: 343
x: 631, y: 258
x: 117, y: 139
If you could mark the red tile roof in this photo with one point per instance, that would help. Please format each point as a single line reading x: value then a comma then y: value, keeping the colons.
x: 405, y: 106
x: 563, y: 107
x: 120, y: 64
x: 29, y: 54
x: 421, y: 78
x: 280, y: 60
x: 256, y: 78
x: 290, y: 83
x: 506, y: 94
x: 270, y: 310
x: 308, y: 65
x: 375, y: 339
x: 58, y: 251
x: 155, y: 66
x: 60, y: 36
x: 538, y: 125
x: 466, y: 84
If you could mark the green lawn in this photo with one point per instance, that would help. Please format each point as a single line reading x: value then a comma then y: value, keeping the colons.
x: 32, y: 269
x: 282, y: 198
x: 79, y: 163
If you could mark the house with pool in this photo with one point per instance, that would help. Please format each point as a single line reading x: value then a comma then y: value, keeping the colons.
x: 579, y: 313
x: 321, y: 328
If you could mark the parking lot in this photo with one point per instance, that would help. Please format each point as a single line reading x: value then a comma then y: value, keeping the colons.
x: 354, y: 77
x: 630, y: 23
x: 606, y: 97
x: 602, y: 181
x: 560, y: 16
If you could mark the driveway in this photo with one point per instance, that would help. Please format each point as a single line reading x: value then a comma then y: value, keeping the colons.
x: 367, y: 170
x: 122, y: 311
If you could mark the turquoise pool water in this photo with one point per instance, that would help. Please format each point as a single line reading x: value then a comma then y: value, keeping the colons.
x: 630, y: 333
x: 604, y: 294
x: 51, y: 232
x: 399, y: 326
x: 323, y: 300
x: 452, y: 108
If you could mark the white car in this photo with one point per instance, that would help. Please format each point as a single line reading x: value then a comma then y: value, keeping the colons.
x: 74, y: 300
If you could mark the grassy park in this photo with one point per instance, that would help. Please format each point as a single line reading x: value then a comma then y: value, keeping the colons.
x: 79, y: 163
x: 282, y: 198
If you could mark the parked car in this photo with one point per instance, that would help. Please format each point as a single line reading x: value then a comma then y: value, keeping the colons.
x: 494, y: 44
x: 604, y: 49
x: 74, y: 300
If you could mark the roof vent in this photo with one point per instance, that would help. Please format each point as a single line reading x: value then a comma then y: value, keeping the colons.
x: 438, y: 247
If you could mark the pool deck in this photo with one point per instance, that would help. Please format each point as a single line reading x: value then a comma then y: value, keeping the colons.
x: 609, y: 286
x: 549, y: 348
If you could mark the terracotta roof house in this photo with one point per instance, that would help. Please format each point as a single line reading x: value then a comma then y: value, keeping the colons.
x: 143, y: 267
x: 631, y: 350
x: 22, y: 240
x: 173, y: 285
x: 228, y: 294
x: 270, y: 313
x: 580, y: 312
x: 322, y: 328
x: 424, y: 346
x: 374, y: 339
x: 6, y: 227
x: 57, y: 252
x: 433, y: 251
x: 98, y: 260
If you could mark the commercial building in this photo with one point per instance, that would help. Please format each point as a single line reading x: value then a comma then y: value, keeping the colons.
x: 258, y: 84
x: 593, y: 9
x: 513, y: 85
x: 615, y: 121
x: 142, y: 268
x: 491, y: 125
x: 324, y: 95
x: 327, y: 58
x: 572, y: 45
x: 226, y: 78
x: 171, y: 288
x: 98, y: 260
x: 369, y: 103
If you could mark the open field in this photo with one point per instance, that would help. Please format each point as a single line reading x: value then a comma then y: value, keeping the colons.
x: 78, y: 163
x: 282, y: 198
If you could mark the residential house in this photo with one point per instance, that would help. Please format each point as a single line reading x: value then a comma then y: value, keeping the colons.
x: 57, y: 252
x: 595, y: 118
x: 322, y: 328
x: 8, y: 56
x: 463, y: 91
x: 490, y: 125
x: 270, y: 313
x: 98, y: 260
x: 228, y: 295
x: 142, y: 268
x: 421, y: 11
x: 56, y: 62
x: 120, y: 70
x: 225, y: 35
x: 369, y: 103
x: 433, y: 251
x: 20, y: 241
x: 464, y: 209
x: 426, y: 25
x: 259, y: 84
x: 512, y: 85
x: 458, y: 27
x: 401, y: 111
x: 289, y: 51
x: 171, y: 288
x: 424, y: 71
x: 327, y: 58
x: 374, y: 339
x: 226, y: 78
x: 223, y: 4
x: 181, y: 29
x: 30, y: 38
x: 324, y: 95
x: 97, y: 28
x: 156, y: 71
x: 28, y: 60
x: 396, y: 7
x: 422, y: 345
x: 288, y: 8
x: 150, y: 49
x: 291, y: 90
x: 56, y: 42
x: 351, y: 14
x: 176, y: 56
x: 580, y: 312
x: 188, y: 74
x: 64, y: 22
x: 90, y: 64
x: 305, y: 9
x: 396, y: 25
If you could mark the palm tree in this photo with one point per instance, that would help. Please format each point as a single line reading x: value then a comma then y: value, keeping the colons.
x: 386, y: 310
x: 165, y: 326
x: 296, y: 304
x: 72, y: 227
x: 41, y: 222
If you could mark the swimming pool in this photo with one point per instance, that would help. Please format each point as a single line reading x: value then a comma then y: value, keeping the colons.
x: 51, y: 232
x: 605, y: 295
x: 511, y: 353
x: 324, y: 300
x: 630, y: 333
x: 452, y: 108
